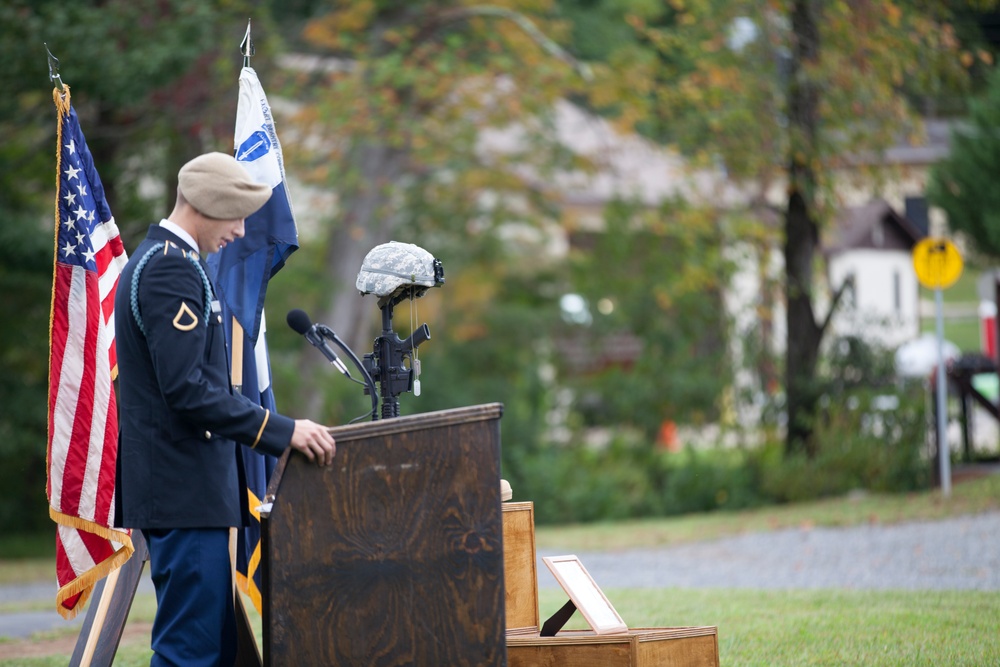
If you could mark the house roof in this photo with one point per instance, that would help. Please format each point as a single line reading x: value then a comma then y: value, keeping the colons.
x: 625, y: 165
x: 875, y: 225
x: 933, y: 147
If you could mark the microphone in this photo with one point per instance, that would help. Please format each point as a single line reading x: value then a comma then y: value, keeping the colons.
x: 300, y: 323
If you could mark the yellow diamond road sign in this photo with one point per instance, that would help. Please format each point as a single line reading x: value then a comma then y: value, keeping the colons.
x: 937, y: 262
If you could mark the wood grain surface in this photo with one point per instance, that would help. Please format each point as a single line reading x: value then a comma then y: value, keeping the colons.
x: 394, y: 554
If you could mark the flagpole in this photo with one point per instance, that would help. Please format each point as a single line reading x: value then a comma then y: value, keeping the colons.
x: 100, y: 616
x: 110, y: 583
x: 237, y: 345
x: 248, y: 651
x: 240, y: 272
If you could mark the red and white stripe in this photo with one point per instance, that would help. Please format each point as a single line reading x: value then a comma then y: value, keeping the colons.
x: 83, y: 420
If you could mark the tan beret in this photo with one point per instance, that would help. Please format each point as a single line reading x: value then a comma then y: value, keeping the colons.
x: 218, y: 186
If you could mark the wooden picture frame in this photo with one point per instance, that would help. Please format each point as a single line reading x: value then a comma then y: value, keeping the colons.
x: 584, y: 592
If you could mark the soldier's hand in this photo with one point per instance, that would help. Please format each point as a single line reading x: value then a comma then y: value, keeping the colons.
x: 315, y: 441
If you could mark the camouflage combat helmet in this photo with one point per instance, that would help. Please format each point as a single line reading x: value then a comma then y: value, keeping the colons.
x: 396, y: 269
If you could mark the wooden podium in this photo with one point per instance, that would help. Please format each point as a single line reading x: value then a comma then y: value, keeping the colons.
x: 393, y: 555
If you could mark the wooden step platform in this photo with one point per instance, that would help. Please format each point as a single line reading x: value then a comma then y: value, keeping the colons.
x: 637, y: 647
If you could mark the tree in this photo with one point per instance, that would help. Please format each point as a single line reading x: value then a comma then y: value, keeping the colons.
x: 147, y: 77
x: 394, y: 129
x: 124, y: 61
x: 963, y: 184
x: 784, y: 94
x: 654, y: 276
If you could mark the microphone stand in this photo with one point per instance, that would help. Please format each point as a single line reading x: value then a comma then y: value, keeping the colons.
x: 329, y: 333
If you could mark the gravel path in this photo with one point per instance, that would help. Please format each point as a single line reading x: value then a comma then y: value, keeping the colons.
x: 958, y: 554
x: 25, y: 624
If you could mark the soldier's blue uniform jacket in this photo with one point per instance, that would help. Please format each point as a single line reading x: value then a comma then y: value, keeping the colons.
x: 178, y: 465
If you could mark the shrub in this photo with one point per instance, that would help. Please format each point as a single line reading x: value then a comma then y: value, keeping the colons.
x: 631, y: 479
x: 704, y: 480
x: 578, y: 483
x: 868, y: 439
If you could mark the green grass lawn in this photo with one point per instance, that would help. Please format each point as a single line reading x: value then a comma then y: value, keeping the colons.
x: 821, y: 627
x: 766, y: 628
x: 962, y: 331
x: 795, y: 627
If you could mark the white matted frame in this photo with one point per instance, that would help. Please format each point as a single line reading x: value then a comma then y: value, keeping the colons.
x: 586, y: 594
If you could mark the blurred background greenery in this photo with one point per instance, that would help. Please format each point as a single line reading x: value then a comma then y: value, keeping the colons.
x: 599, y: 339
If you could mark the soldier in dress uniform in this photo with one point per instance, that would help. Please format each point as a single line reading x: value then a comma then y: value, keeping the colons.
x: 180, y: 475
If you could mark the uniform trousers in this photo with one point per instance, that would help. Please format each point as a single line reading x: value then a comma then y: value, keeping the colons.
x: 195, y: 624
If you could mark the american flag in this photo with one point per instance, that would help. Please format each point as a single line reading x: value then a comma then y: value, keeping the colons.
x: 83, y: 413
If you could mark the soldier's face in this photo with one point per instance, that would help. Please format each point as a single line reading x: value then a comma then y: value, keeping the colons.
x: 215, y: 234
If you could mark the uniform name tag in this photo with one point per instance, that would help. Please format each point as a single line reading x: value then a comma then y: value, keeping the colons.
x: 216, y: 306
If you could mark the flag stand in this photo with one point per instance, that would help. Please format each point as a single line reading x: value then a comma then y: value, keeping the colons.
x: 108, y: 611
x: 106, y: 615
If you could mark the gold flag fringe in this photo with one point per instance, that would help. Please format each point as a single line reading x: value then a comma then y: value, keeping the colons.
x: 85, y: 582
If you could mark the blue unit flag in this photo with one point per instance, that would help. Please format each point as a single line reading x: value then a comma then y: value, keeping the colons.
x: 241, y: 272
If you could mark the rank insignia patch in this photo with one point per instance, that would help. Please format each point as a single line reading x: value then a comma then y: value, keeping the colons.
x: 185, y: 319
